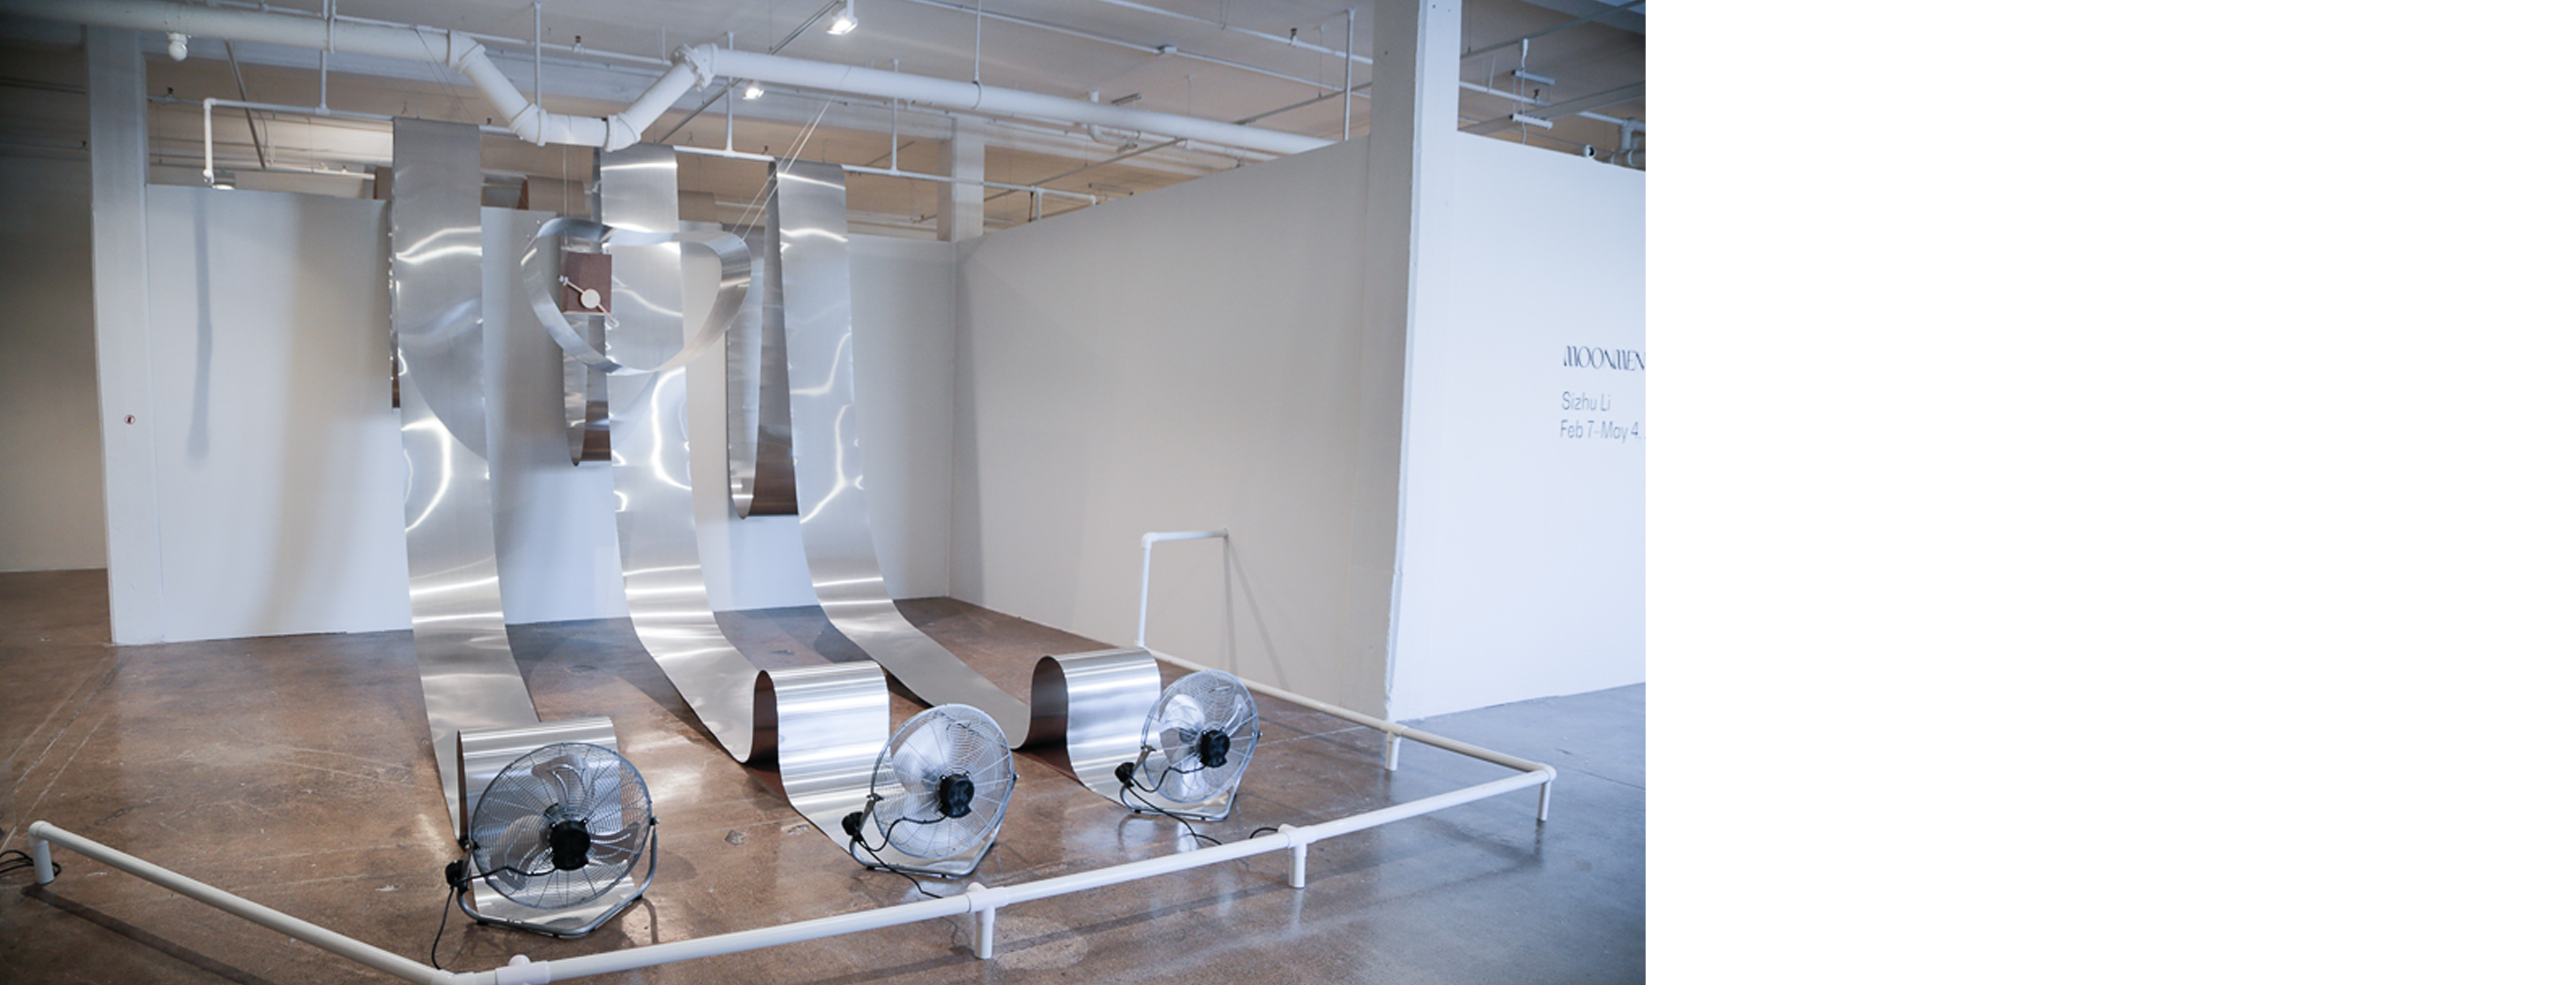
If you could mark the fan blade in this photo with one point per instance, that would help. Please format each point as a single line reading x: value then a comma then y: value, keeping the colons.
x: 918, y: 761
x: 564, y: 787
x: 1183, y: 712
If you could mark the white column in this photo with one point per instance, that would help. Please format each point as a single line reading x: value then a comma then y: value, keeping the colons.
x: 118, y: 168
x: 961, y: 218
x: 1413, y: 122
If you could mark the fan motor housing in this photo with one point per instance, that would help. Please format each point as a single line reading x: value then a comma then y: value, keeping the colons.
x: 956, y: 795
x: 569, y: 841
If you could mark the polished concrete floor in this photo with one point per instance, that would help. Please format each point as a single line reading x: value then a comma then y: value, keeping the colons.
x: 296, y: 772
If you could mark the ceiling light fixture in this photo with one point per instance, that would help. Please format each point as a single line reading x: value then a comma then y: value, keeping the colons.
x: 848, y: 19
x: 222, y: 179
x: 752, y: 90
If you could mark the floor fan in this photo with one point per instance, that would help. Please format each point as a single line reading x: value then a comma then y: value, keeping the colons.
x: 558, y: 830
x: 942, y: 785
x: 1198, y: 740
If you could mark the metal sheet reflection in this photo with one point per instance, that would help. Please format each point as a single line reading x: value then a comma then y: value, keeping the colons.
x: 826, y: 725
x: 823, y: 724
x: 760, y: 455
x: 809, y: 214
x: 1096, y: 703
x: 468, y: 679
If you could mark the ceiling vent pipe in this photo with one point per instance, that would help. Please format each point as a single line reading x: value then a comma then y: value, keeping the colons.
x: 419, y: 44
x: 979, y: 98
x: 693, y: 67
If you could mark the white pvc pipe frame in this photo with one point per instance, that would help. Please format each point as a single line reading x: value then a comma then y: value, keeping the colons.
x: 984, y: 901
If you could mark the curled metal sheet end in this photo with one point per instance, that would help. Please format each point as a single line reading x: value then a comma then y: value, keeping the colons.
x: 1095, y: 703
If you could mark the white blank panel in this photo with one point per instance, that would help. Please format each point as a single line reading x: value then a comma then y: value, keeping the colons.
x: 1524, y: 547
x: 1182, y: 360
x: 279, y: 471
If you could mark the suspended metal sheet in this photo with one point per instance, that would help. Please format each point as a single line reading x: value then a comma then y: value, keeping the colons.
x: 468, y: 678
x: 760, y: 452
x: 824, y: 725
x: 809, y: 216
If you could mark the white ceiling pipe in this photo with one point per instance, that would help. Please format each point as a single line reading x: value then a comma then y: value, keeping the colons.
x: 420, y: 44
x: 984, y: 99
x: 698, y: 65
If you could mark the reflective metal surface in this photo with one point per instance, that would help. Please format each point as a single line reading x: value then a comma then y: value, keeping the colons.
x: 1096, y: 703
x: 824, y: 724
x: 657, y: 536
x: 480, y: 755
x: 588, y: 362
x: 760, y: 453
x: 650, y: 351
x: 468, y: 679
x: 827, y: 725
x: 810, y: 215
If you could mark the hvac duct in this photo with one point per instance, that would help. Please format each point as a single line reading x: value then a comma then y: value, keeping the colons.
x: 693, y: 67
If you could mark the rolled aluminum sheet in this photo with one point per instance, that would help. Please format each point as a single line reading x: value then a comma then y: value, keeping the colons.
x: 468, y: 678
x: 809, y: 216
x: 1095, y: 703
x: 825, y: 725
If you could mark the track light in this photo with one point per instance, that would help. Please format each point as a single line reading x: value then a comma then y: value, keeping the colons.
x: 752, y: 90
x: 847, y: 20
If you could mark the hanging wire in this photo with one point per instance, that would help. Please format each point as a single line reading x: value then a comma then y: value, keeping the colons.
x: 759, y: 205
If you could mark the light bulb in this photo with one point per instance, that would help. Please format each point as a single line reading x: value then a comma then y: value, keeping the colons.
x: 751, y: 91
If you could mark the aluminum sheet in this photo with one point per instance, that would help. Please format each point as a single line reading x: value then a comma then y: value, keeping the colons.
x: 468, y: 678
x: 809, y: 213
x: 824, y: 725
x: 1096, y: 703
x: 760, y: 461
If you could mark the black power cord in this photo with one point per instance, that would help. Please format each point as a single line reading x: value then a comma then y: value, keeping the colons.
x: 456, y: 880
x: 854, y: 823
x: 1127, y: 781
x: 22, y: 860
x: 459, y: 877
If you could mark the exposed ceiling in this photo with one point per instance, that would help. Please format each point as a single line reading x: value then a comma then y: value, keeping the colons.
x: 1277, y: 63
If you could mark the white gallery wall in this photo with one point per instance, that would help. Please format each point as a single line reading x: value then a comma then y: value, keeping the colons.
x: 1187, y: 360
x: 278, y: 471
x: 1183, y: 360
x: 276, y: 468
x: 52, y: 513
x: 1523, y: 530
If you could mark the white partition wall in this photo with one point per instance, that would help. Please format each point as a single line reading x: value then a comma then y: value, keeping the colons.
x: 1524, y: 465
x: 279, y: 475
x: 1182, y: 360
x: 1190, y: 360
